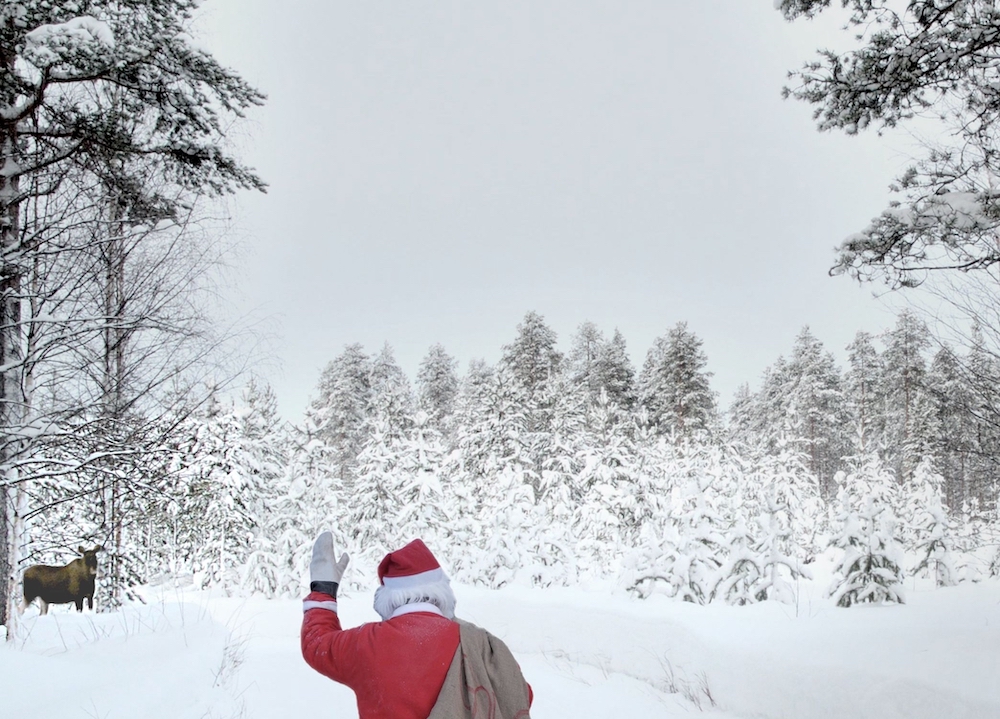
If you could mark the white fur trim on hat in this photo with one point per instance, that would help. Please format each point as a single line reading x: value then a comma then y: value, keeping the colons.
x: 415, y: 580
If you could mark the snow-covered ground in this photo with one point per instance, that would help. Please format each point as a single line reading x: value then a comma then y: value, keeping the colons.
x: 587, y: 653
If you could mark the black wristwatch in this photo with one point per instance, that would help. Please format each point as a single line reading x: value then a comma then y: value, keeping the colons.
x: 325, y: 587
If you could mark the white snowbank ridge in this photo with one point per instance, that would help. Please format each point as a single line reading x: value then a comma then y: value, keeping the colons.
x: 587, y: 654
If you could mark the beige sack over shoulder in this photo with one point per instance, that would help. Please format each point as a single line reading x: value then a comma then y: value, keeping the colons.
x: 484, y: 680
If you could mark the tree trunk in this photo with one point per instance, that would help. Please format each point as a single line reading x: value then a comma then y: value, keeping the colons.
x: 10, y: 356
x: 113, y: 384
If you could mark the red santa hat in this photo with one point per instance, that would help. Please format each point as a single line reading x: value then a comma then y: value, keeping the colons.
x: 412, y: 575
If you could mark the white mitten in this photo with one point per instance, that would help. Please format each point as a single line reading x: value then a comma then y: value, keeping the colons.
x: 323, y: 570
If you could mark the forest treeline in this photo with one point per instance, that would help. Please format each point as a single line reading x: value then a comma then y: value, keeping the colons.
x: 552, y: 468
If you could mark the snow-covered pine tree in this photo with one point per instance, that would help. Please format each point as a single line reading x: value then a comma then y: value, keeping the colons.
x: 342, y: 406
x: 911, y: 430
x: 617, y: 373
x: 862, y: 393
x: 931, y: 530
x: 269, y: 566
x: 983, y: 371
x: 787, y: 508
x: 391, y: 394
x: 928, y: 60
x: 674, y: 385
x: 815, y: 402
x: 437, y: 388
x: 422, y: 512
x: 953, y: 406
x: 532, y: 358
x: 531, y: 370
x: 225, y: 481
x: 870, y: 569
x: 608, y: 504
x: 684, y: 544
x: 372, y: 502
x: 583, y: 362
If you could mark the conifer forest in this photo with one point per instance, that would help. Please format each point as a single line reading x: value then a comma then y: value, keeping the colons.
x: 558, y: 469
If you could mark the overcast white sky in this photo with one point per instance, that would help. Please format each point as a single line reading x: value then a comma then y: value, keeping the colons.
x: 438, y: 169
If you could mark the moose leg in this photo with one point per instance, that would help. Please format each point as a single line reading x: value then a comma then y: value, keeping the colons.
x: 44, y: 605
x: 90, y: 602
x: 79, y: 604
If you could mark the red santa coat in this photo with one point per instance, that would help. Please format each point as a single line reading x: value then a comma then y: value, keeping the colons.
x: 395, y: 667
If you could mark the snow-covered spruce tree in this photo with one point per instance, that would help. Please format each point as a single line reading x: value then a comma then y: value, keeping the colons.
x: 437, y: 388
x: 372, y: 502
x: 674, y: 384
x: 225, y: 476
x: 532, y: 358
x: 342, y: 406
x: 531, y: 370
x: 583, y: 361
x: 423, y: 511
x: 617, y: 374
x: 983, y: 372
x: 911, y: 429
x: 494, y: 426
x: 598, y: 365
x: 785, y: 509
x: 930, y: 530
x: 870, y: 569
x: 608, y: 502
x: 815, y: 401
x: 311, y: 499
x: 863, y: 401
x: 391, y: 395
x: 115, y: 89
x: 272, y: 566
x: 953, y: 406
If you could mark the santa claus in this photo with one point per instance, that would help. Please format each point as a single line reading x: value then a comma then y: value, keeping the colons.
x: 419, y: 662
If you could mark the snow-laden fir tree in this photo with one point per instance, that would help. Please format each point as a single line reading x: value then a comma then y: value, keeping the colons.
x: 954, y: 402
x: 532, y: 358
x: 609, y: 502
x: 983, y: 371
x: 423, y: 510
x: 598, y: 365
x: 785, y: 510
x: 910, y: 422
x: 616, y: 372
x: 437, y: 388
x: 342, y: 406
x: 863, y: 399
x: 930, y: 530
x: 583, y: 361
x: 391, y: 394
x: 227, y: 474
x: 674, y: 384
x: 870, y: 569
x: 801, y: 399
x: 372, y: 501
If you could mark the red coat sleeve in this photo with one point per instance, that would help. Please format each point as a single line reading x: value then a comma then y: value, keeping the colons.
x: 326, y: 646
